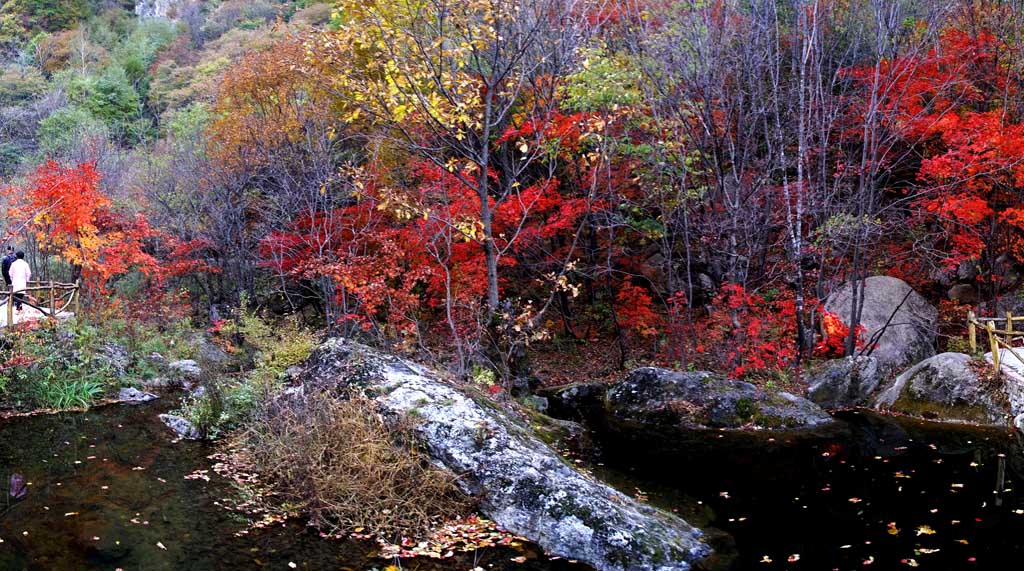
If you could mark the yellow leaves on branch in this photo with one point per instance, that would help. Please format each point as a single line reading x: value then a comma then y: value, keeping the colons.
x: 395, y: 61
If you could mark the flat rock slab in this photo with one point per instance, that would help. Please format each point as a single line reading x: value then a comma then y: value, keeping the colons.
x: 521, y: 483
x: 132, y: 395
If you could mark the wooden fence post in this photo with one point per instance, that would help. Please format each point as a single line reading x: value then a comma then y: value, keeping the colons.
x: 1009, y: 328
x: 994, y: 344
x: 53, y: 300
x: 972, y: 332
x: 10, y: 307
x: 77, y: 293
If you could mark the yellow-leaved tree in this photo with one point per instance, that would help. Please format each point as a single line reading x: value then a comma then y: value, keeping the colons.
x: 469, y: 85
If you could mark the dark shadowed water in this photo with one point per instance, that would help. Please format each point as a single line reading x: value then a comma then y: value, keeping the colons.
x: 873, y: 492
x: 106, y: 490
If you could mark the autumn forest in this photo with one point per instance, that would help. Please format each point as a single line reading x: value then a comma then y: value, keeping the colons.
x: 519, y: 194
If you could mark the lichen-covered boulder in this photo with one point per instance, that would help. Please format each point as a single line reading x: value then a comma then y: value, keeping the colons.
x: 904, y: 322
x: 660, y: 398
x: 843, y: 383
x: 521, y: 483
x: 946, y: 388
x: 186, y: 371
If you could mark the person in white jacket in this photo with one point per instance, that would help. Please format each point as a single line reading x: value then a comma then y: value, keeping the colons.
x: 20, y: 274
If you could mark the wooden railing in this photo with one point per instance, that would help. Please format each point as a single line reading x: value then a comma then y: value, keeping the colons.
x: 58, y: 297
x: 996, y: 337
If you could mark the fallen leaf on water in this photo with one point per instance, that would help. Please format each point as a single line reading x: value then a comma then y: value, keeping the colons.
x: 926, y: 550
x: 161, y: 545
x: 925, y: 530
x: 893, y: 530
x: 956, y: 485
x: 69, y: 514
x: 854, y: 500
x: 793, y: 558
x: 910, y: 562
x: 869, y: 560
x: 293, y: 565
x: 520, y: 559
x: 963, y: 541
x: 766, y: 559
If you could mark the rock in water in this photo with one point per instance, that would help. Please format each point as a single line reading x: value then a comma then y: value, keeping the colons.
x: 843, y: 383
x: 945, y: 388
x: 133, y: 396
x: 655, y: 398
x: 521, y: 483
x: 182, y: 426
x: 910, y: 334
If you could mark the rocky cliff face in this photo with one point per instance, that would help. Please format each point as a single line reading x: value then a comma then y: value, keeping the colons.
x: 155, y: 8
x: 521, y: 483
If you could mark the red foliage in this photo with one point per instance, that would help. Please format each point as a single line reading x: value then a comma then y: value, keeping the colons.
x: 754, y: 333
x: 833, y: 340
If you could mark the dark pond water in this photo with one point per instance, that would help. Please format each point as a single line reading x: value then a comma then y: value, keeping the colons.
x: 106, y: 490
x: 873, y: 492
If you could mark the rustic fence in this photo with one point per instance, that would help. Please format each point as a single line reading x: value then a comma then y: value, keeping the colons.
x: 997, y: 338
x: 58, y: 297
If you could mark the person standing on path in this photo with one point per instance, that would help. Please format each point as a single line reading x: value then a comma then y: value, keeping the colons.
x: 8, y: 259
x: 20, y: 274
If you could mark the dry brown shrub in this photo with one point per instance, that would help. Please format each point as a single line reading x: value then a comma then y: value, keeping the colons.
x: 348, y: 468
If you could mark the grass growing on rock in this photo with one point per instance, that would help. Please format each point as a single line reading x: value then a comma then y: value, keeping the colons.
x: 339, y: 463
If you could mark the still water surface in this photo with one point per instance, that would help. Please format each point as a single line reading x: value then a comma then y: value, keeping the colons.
x: 870, y: 493
x: 107, y: 490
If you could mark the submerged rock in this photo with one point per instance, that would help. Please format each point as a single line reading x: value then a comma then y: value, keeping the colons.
x: 945, y: 388
x: 182, y: 426
x: 660, y: 398
x: 132, y: 395
x: 521, y: 483
x: 843, y: 383
x: 903, y: 321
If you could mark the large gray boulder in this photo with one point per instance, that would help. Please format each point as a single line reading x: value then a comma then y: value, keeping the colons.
x: 843, y: 383
x: 660, y: 398
x: 521, y: 483
x: 185, y: 370
x: 905, y: 333
x: 946, y: 387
